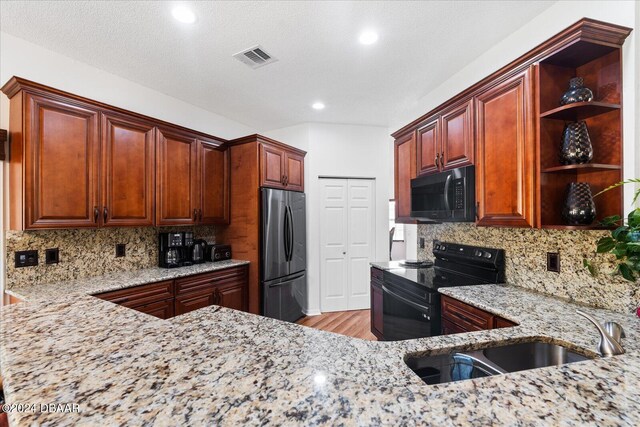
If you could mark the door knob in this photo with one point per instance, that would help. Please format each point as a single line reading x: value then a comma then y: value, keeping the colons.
x: 344, y: 253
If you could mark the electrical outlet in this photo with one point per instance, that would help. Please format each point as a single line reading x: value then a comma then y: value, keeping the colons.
x: 553, y: 262
x: 52, y: 256
x: 26, y: 259
x: 121, y: 250
x: 422, y: 243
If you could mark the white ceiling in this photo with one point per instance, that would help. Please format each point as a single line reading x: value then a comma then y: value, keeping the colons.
x: 421, y: 44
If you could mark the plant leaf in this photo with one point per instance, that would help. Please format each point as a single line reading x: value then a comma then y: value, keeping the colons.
x: 619, y: 184
x: 605, y: 244
x: 610, y: 221
x: 634, y: 218
x: 589, y: 266
x: 620, y: 233
x: 626, y: 272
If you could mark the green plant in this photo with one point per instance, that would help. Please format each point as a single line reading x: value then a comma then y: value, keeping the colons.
x: 624, y: 241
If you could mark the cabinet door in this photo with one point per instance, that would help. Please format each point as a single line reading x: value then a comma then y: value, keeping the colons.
x: 193, y: 301
x: 457, y: 136
x: 405, y: 171
x: 376, y: 310
x: 128, y: 172
x: 232, y: 297
x: 428, y: 148
x: 177, y: 180
x: 294, y: 171
x: 214, y: 179
x: 272, y: 166
x: 506, y: 153
x: 62, y: 160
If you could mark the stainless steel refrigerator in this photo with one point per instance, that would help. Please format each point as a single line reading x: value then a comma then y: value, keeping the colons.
x: 284, y: 254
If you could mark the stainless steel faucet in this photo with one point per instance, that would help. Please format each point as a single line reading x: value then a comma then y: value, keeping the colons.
x: 610, y: 336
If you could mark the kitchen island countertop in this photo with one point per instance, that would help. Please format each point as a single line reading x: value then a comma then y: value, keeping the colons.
x: 220, y: 366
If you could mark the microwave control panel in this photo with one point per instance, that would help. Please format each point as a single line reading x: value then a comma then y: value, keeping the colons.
x: 458, y: 194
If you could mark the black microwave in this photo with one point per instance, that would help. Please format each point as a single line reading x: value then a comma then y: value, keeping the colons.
x: 445, y: 196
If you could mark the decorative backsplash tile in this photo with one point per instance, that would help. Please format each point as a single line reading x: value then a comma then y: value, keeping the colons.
x: 526, y: 261
x: 86, y: 253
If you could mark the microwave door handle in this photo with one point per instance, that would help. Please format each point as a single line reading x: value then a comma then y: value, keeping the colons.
x: 447, y: 183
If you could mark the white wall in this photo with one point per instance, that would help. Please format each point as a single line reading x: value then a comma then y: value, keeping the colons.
x: 340, y: 151
x: 550, y: 22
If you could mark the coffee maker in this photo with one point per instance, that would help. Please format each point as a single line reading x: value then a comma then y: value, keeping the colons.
x: 171, y: 250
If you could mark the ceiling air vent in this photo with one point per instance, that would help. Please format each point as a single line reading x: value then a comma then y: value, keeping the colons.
x: 255, y: 57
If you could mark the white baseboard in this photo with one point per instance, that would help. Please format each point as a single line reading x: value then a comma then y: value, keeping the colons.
x: 312, y: 313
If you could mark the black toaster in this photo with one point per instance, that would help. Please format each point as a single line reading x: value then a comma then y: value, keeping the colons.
x: 218, y: 253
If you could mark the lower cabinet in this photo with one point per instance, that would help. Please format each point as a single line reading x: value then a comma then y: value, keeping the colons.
x: 376, y: 302
x: 227, y: 288
x: 459, y: 317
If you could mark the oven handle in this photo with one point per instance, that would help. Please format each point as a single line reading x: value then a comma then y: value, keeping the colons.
x: 447, y: 182
x: 422, y: 308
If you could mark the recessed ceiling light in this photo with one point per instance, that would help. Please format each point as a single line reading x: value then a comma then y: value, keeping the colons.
x: 317, y: 106
x: 368, y: 37
x: 183, y: 14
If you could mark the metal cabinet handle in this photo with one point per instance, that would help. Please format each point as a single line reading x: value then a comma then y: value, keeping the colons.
x: 437, y: 160
x: 96, y: 214
x: 282, y: 180
x: 105, y: 214
x: 195, y: 215
x: 442, y: 159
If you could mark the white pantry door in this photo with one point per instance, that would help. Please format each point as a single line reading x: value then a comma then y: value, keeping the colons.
x: 347, y: 242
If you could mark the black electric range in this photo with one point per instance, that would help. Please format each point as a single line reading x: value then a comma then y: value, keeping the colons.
x: 411, y: 301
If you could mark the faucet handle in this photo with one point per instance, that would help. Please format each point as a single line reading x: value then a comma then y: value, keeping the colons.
x: 615, y: 330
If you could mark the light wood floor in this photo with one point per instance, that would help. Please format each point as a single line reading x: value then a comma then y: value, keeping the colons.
x: 356, y: 323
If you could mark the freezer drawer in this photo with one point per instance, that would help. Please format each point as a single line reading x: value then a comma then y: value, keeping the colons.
x: 284, y: 298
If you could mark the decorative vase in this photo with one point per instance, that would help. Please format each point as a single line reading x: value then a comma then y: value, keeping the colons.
x: 576, y: 144
x: 579, y: 208
x: 577, y: 92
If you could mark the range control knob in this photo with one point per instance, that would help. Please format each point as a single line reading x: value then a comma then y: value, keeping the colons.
x: 227, y: 254
x: 217, y: 256
x: 487, y: 255
x: 443, y: 247
x: 478, y: 252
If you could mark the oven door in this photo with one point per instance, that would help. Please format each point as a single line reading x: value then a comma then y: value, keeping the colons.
x: 404, y: 319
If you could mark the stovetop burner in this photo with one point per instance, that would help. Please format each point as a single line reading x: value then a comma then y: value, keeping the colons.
x: 413, y: 263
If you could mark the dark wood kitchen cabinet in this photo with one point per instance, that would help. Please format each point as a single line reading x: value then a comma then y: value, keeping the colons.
x: 128, y: 172
x: 404, y: 172
x: 446, y: 141
x: 376, y: 302
x: 214, y: 182
x: 281, y: 167
x: 178, y: 181
x: 76, y: 163
x: 226, y: 287
x: 58, y: 162
x: 506, y: 153
x: 459, y: 317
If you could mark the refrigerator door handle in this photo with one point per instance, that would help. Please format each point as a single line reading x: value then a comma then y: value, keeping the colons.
x: 291, y: 235
x: 286, y: 234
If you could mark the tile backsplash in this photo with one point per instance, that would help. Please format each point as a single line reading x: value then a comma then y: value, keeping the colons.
x: 526, y: 261
x: 85, y: 253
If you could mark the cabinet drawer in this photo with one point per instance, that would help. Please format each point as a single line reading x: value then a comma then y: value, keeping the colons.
x: 140, y: 295
x: 470, y: 318
x: 161, y: 309
x: 500, y: 322
x: 207, y: 281
x: 449, y: 328
x: 376, y: 274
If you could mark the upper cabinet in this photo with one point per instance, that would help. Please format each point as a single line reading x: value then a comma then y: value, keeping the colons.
x: 79, y: 163
x: 446, y: 141
x: 510, y: 125
x: 506, y: 153
x: 214, y: 184
x: 61, y: 165
x: 128, y: 171
x: 404, y: 172
x: 178, y: 181
x: 281, y: 167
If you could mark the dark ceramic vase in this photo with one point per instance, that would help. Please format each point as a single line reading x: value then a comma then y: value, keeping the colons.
x: 576, y: 144
x: 579, y: 208
x: 577, y: 92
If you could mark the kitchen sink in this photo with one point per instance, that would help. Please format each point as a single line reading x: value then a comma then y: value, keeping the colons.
x: 491, y: 361
x: 531, y: 355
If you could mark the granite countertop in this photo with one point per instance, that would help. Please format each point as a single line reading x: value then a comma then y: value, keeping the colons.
x: 113, y: 281
x: 220, y: 366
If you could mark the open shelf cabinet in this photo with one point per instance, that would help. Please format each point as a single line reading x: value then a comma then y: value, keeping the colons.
x: 600, y: 66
